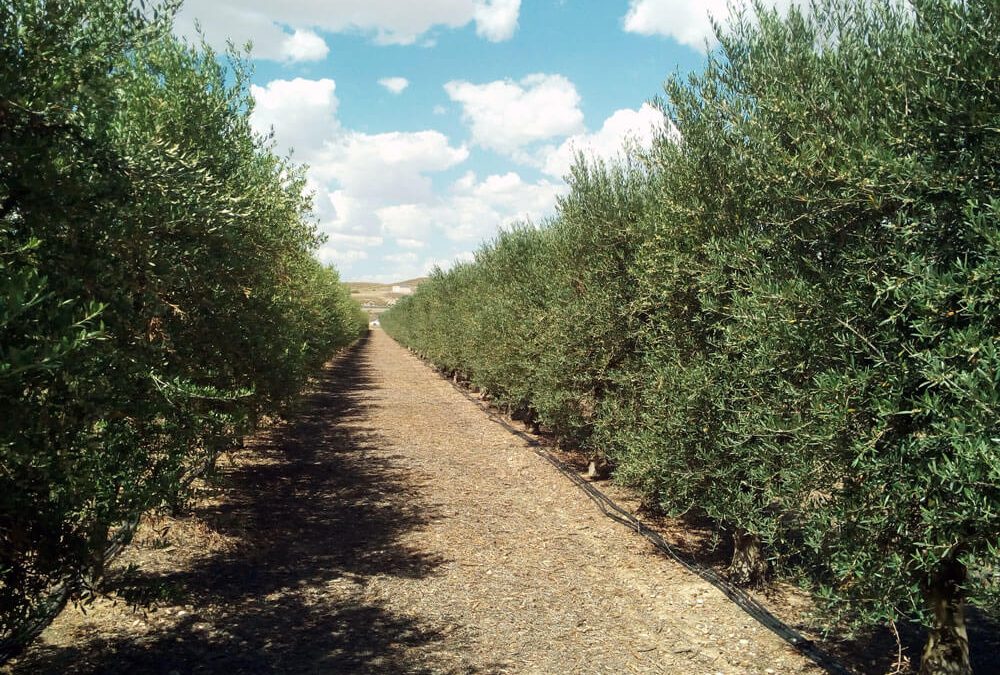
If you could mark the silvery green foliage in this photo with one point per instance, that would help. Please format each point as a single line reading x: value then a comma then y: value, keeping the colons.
x: 158, y: 292
x: 785, y: 316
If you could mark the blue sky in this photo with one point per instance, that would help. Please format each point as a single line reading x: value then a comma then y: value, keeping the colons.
x: 428, y: 125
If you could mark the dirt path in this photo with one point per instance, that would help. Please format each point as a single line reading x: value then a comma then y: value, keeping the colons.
x: 392, y: 527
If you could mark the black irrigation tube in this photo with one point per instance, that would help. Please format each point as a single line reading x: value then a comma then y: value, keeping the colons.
x: 609, y: 508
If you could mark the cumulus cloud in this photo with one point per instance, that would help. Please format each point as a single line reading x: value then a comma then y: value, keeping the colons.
x: 394, y: 85
x: 344, y: 259
x: 479, y: 208
x: 496, y: 20
x: 690, y: 23
x: 472, y: 209
x: 624, y: 127
x: 301, y: 112
x: 376, y: 167
x: 404, y: 257
x: 267, y: 23
x: 355, y: 240
x: 506, y: 116
x: 375, y: 190
x: 407, y: 221
x: 361, y: 183
x: 304, y: 45
x: 510, y: 194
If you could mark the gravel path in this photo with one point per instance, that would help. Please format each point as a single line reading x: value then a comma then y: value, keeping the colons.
x: 393, y: 527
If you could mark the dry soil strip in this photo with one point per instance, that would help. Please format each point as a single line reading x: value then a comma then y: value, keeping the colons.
x: 392, y: 527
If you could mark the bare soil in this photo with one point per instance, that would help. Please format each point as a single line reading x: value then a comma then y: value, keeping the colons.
x: 392, y: 527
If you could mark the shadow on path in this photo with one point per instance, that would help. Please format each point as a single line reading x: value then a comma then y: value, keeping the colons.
x: 316, y: 513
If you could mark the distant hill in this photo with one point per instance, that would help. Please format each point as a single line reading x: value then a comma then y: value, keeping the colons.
x: 376, y: 297
x: 413, y: 283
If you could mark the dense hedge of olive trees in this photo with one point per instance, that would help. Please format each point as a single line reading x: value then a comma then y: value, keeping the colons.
x: 158, y: 290
x: 785, y: 316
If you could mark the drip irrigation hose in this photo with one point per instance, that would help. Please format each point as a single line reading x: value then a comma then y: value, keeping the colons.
x: 609, y: 508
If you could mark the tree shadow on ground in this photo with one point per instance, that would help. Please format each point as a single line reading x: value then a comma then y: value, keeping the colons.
x: 875, y: 651
x: 315, y: 515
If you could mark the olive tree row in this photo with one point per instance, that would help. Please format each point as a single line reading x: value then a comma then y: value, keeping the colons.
x: 785, y: 315
x: 158, y: 290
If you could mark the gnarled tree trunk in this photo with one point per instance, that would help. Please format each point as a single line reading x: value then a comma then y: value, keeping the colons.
x: 749, y: 566
x: 947, y: 648
x: 599, y: 469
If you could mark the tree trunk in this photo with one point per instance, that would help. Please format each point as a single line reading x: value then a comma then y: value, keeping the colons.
x: 531, y: 420
x: 749, y: 567
x: 599, y: 469
x: 947, y: 648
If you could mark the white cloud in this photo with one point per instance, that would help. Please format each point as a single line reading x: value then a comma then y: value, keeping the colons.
x: 477, y: 209
x: 374, y: 190
x: 472, y: 209
x: 447, y: 263
x: 350, y: 215
x: 496, y: 20
x: 386, y: 21
x: 394, y: 85
x: 302, y: 113
x: 506, y: 116
x: 405, y: 257
x: 637, y: 127
x: 687, y: 22
x: 304, y: 45
x: 374, y: 178
x: 351, y: 173
x: 408, y: 221
x: 343, y: 258
x: 510, y: 194
x: 339, y: 238
x: 394, y: 165
x: 365, y: 187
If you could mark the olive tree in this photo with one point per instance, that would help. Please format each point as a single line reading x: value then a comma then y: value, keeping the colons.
x: 159, y: 291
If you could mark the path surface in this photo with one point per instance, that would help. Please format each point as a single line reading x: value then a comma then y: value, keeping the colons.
x: 392, y: 527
